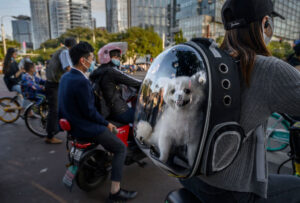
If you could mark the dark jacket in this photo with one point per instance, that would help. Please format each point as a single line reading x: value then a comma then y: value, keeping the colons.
x: 10, y: 78
x: 293, y: 61
x: 109, y: 78
x: 76, y: 104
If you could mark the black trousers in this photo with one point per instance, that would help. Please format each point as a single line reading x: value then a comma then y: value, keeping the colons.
x: 52, y: 118
x: 114, y: 145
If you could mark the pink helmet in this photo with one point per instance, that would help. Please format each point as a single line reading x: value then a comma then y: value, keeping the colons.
x: 103, y: 53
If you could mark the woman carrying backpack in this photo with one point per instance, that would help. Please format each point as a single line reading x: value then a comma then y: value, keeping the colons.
x: 269, y: 85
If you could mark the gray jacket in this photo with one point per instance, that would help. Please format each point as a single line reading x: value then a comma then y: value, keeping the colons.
x: 54, y: 69
x: 274, y: 87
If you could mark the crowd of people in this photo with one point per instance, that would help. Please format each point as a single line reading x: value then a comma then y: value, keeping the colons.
x: 70, y: 95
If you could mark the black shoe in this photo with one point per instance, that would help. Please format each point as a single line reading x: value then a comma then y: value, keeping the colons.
x: 122, y: 196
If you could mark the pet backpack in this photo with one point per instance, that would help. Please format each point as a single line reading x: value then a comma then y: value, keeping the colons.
x: 187, y: 117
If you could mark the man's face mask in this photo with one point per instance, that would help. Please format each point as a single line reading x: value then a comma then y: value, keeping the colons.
x: 116, y: 62
x: 268, y: 29
x: 91, y: 67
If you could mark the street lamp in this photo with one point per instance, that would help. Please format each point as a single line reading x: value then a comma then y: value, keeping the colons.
x: 3, y: 33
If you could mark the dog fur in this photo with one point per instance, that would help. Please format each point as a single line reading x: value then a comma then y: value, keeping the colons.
x: 183, y: 96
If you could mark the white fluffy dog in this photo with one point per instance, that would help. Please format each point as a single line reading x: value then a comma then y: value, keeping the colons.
x: 183, y: 96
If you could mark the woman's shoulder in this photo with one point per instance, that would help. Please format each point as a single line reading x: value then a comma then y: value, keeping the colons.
x: 274, y: 67
x: 271, y: 63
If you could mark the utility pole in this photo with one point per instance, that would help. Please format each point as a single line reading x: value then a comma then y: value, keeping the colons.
x: 3, y: 39
x: 3, y: 34
x: 163, y: 40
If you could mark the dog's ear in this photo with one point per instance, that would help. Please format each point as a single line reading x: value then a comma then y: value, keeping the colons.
x: 199, y: 77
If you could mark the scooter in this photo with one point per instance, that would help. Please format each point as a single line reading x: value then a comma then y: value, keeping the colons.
x: 89, y: 164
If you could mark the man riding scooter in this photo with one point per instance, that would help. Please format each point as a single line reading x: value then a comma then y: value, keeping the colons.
x: 76, y: 104
x: 110, y: 79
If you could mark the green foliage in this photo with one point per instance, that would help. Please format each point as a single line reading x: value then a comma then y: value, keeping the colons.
x: 219, y: 40
x: 179, y: 37
x: 51, y: 43
x: 141, y: 42
x: 43, y: 54
x: 280, y: 49
x: 9, y: 44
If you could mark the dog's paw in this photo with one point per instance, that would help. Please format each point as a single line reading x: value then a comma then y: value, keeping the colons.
x: 143, y: 130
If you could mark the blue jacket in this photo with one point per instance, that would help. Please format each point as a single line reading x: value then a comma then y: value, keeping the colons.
x: 76, y: 104
x: 32, y: 85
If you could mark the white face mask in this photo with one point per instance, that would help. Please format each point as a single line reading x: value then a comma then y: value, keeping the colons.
x: 267, y: 38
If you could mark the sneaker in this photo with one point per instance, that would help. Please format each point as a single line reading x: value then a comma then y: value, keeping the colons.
x: 122, y: 196
x: 53, y: 141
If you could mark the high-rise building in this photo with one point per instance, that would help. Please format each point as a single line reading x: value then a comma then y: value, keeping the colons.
x: 288, y: 29
x: 51, y: 18
x: 22, y: 30
x: 40, y: 22
x: 117, y: 15
x: 60, y: 21
x: 202, y: 18
x: 81, y: 13
x: 149, y: 13
x: 123, y: 14
x: 196, y: 18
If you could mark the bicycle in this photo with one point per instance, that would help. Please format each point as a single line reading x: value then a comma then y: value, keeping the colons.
x: 10, y: 109
x: 278, y: 133
x: 35, y: 117
x: 294, y: 142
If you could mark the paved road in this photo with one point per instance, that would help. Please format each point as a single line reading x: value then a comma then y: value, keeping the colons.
x: 32, y: 171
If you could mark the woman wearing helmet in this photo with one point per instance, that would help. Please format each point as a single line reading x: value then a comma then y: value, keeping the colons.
x: 270, y: 85
x: 109, y: 78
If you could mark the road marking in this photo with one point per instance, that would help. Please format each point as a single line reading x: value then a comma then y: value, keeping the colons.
x: 59, y: 199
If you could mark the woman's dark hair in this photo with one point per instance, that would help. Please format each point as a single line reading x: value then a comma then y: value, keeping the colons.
x: 113, y: 53
x: 83, y: 49
x: 244, y: 44
x: 28, y: 65
x: 7, y: 60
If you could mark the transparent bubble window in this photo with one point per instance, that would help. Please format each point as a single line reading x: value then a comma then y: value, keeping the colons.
x: 171, y: 108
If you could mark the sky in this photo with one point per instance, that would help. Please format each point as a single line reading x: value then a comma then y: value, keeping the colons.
x: 22, y: 7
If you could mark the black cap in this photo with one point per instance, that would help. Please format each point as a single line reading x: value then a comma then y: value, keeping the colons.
x: 238, y: 13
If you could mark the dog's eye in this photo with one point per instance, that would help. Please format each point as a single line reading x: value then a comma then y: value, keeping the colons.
x: 187, y: 91
x: 172, y: 91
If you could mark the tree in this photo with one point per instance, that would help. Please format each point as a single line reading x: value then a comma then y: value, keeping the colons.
x: 51, y: 43
x: 179, y: 37
x: 280, y: 49
x: 9, y: 43
x: 141, y: 42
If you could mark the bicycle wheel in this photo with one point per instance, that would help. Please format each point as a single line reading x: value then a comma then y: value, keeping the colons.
x: 36, y: 119
x: 10, y: 109
x: 279, y: 135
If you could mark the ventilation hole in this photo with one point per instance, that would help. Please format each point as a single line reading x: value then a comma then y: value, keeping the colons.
x: 227, y: 100
x: 223, y: 68
x: 226, y: 84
